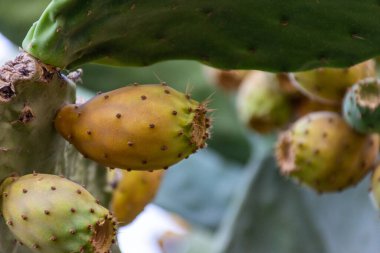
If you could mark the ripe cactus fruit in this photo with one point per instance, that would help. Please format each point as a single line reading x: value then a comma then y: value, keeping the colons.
x: 48, y: 213
x: 323, y: 152
x: 133, y: 192
x: 138, y: 127
x: 329, y: 85
x: 261, y: 104
x: 375, y: 187
x: 361, y: 106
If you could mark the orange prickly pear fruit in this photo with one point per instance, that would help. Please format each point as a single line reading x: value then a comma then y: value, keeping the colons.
x: 137, y: 127
x: 321, y: 151
x: 134, y: 191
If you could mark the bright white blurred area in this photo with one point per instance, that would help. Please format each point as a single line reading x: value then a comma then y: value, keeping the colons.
x: 153, y: 231
x: 7, y: 49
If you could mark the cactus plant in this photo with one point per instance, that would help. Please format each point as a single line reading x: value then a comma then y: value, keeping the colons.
x: 138, y: 127
x: 72, y: 219
x: 27, y: 115
x: 361, y: 106
x: 257, y: 34
x: 311, y: 152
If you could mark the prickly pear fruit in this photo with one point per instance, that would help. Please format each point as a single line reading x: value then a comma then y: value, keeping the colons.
x: 260, y: 103
x: 329, y: 85
x: 227, y: 80
x: 323, y: 152
x: 134, y: 191
x: 138, y: 127
x: 48, y: 213
x: 361, y: 106
x: 375, y: 187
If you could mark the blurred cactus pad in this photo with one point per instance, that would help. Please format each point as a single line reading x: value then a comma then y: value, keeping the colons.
x: 258, y: 34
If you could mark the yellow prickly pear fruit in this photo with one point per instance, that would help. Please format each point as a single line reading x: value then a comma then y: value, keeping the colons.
x: 137, y: 127
x: 134, y: 191
x: 322, y: 151
x: 329, y: 85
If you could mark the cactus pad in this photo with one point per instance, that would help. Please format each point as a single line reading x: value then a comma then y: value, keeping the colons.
x: 138, y: 127
x: 48, y: 213
x: 30, y: 95
x: 323, y: 152
x: 245, y: 34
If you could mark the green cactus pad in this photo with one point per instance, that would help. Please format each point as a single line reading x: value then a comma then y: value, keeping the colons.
x: 321, y: 151
x: 245, y: 34
x: 48, y: 213
x: 361, y: 106
x: 30, y: 95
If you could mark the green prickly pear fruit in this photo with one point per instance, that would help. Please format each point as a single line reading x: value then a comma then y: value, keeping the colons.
x: 328, y: 85
x: 323, y: 152
x: 375, y: 187
x: 134, y: 191
x: 48, y: 213
x: 261, y: 104
x: 361, y: 106
x: 227, y: 80
x: 138, y: 127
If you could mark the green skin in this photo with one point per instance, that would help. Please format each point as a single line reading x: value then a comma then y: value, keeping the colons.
x: 244, y: 34
x: 64, y: 208
x: 311, y: 152
x: 29, y: 99
x: 361, y: 106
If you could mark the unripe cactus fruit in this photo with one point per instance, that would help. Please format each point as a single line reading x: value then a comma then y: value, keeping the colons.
x: 361, y: 106
x: 261, y: 104
x: 48, y: 213
x: 323, y: 152
x: 134, y: 191
x: 138, y: 127
x: 375, y: 187
x: 329, y: 85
